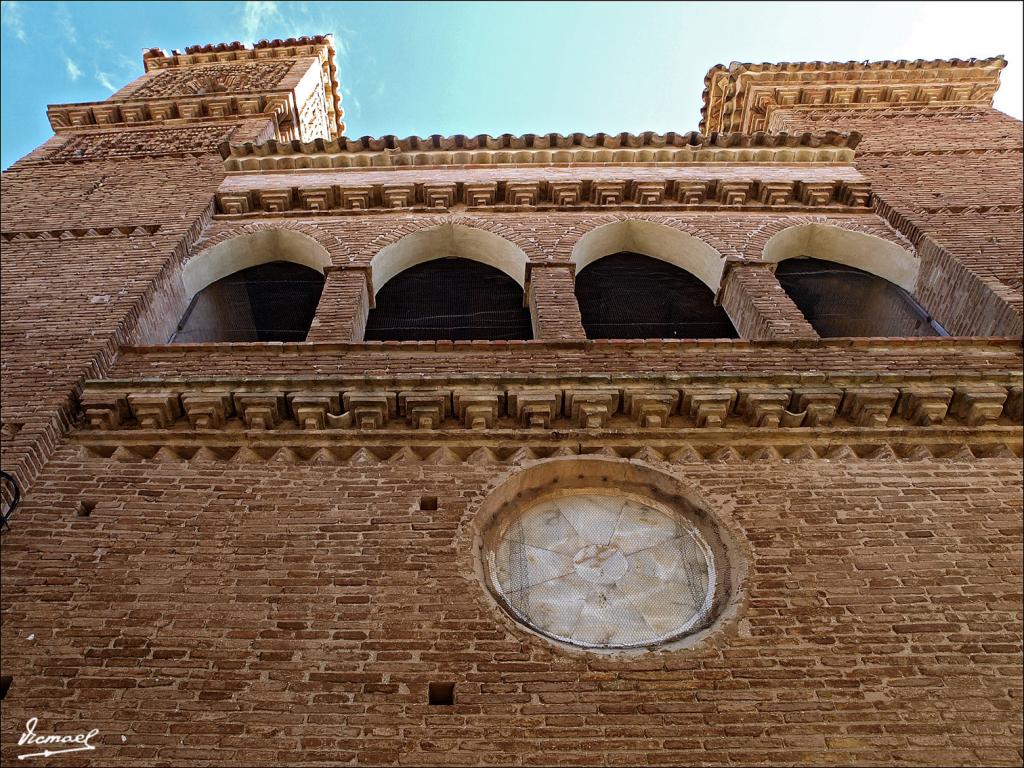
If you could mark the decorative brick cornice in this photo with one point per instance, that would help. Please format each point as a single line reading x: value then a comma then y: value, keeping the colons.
x: 649, y: 147
x: 513, y: 195
x: 127, y: 230
x: 742, y: 97
x: 321, y: 46
x: 230, y: 82
x: 176, y: 110
x: 710, y: 446
x: 685, y: 402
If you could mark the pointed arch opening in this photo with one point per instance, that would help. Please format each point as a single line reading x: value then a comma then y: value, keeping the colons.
x: 849, y: 283
x: 263, y: 286
x: 449, y: 282
x: 642, y: 280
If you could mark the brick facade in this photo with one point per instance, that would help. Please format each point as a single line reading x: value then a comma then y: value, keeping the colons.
x: 265, y: 553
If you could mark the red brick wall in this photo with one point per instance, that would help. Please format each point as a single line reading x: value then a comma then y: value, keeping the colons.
x: 951, y: 180
x: 269, y: 614
x: 343, y: 308
x: 552, y: 299
x: 889, y: 359
x: 255, y: 606
x: 85, y: 245
x: 759, y: 307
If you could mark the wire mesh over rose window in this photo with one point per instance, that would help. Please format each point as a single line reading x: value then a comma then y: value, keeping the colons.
x: 603, y: 571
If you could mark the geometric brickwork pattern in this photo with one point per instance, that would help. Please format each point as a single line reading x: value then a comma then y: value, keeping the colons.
x: 222, y: 78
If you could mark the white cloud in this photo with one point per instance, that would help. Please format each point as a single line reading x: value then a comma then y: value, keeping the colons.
x: 257, y: 14
x: 351, y: 103
x: 104, y: 79
x: 73, y: 71
x: 269, y: 19
x: 66, y: 25
x: 11, y: 17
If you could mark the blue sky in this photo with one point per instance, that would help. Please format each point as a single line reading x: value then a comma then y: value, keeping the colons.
x: 423, y: 68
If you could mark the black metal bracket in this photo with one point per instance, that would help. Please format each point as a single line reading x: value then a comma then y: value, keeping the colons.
x: 9, y: 480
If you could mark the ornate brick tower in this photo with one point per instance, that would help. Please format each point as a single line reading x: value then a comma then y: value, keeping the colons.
x: 613, y: 449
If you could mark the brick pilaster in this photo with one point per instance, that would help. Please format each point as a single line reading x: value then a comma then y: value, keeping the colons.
x: 552, y: 297
x: 344, y: 306
x: 759, y: 306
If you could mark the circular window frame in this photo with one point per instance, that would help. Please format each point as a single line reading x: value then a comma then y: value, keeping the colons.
x: 542, y: 481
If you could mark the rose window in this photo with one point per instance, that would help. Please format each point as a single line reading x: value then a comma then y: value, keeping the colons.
x: 602, y: 570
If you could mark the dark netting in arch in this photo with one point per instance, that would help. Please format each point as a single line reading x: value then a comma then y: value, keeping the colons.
x: 838, y: 300
x: 449, y: 299
x: 270, y: 302
x: 632, y: 296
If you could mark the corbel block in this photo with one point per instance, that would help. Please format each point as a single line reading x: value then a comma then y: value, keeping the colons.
x: 248, y: 105
x: 218, y: 107
x: 155, y: 410
x: 136, y: 113
x: 591, y: 408
x: 312, y: 409
x: 356, y: 198
x: 275, y: 200
x: 316, y: 198
x: 535, y: 408
x: 108, y: 114
x: 815, y: 194
x: 650, y: 408
x: 565, y: 192
x: 774, y: 192
x: 607, y: 192
x: 691, y: 192
x: 647, y: 192
x: 398, y: 195
x: 478, y: 409
x: 708, y: 406
x: 854, y: 193
x: 522, y: 192
x: 733, y: 192
x: 979, y: 405
x: 425, y: 410
x: 188, y: 109
x: 480, y: 193
x: 58, y: 118
x: 371, y: 409
x: 233, y: 202
x: 924, y: 405
x: 439, y: 195
x: 260, y: 410
x: 162, y: 110
x: 79, y: 117
x: 813, y: 407
x: 105, y: 410
x: 763, y: 408
x: 207, y: 410
x: 870, y: 406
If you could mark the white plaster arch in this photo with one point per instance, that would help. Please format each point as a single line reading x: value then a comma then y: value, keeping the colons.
x: 655, y: 240
x: 845, y: 246
x: 230, y: 256
x: 448, y: 240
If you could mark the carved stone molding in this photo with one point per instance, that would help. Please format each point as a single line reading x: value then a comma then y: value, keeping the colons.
x: 710, y: 194
x: 530, y: 149
x: 743, y: 97
x: 186, y: 109
x: 709, y: 402
x: 518, y: 448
